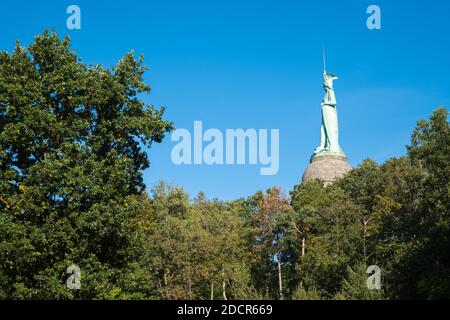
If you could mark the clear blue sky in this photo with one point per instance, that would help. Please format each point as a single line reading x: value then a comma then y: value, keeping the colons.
x: 257, y: 64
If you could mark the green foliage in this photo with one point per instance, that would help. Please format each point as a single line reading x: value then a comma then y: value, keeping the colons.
x: 71, y: 156
x: 332, y: 235
x: 311, y: 294
x: 197, y: 251
x: 355, y: 286
x: 425, y: 225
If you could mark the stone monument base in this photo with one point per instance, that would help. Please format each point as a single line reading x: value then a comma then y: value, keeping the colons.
x: 327, y: 167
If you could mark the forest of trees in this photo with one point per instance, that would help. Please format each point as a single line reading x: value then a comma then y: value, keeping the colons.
x: 72, y: 153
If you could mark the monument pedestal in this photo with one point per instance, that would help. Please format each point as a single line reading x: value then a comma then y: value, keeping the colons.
x: 326, y: 167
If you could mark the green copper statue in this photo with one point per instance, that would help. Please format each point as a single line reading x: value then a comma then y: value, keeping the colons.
x: 329, y: 132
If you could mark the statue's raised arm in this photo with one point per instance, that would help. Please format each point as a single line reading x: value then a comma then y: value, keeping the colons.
x: 330, y: 97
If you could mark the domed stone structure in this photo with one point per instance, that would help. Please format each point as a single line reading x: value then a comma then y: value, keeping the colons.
x: 326, y: 168
x: 329, y: 160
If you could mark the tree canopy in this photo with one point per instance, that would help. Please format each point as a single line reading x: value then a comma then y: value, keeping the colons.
x: 72, y: 139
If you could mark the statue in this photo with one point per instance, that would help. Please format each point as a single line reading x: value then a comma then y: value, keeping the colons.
x: 329, y: 161
x: 329, y: 132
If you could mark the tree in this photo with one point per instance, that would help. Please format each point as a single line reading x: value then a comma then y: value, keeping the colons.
x: 355, y: 286
x: 425, y: 221
x: 71, y: 160
x: 334, y: 241
x: 196, y: 250
x: 363, y: 185
x: 268, y: 235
